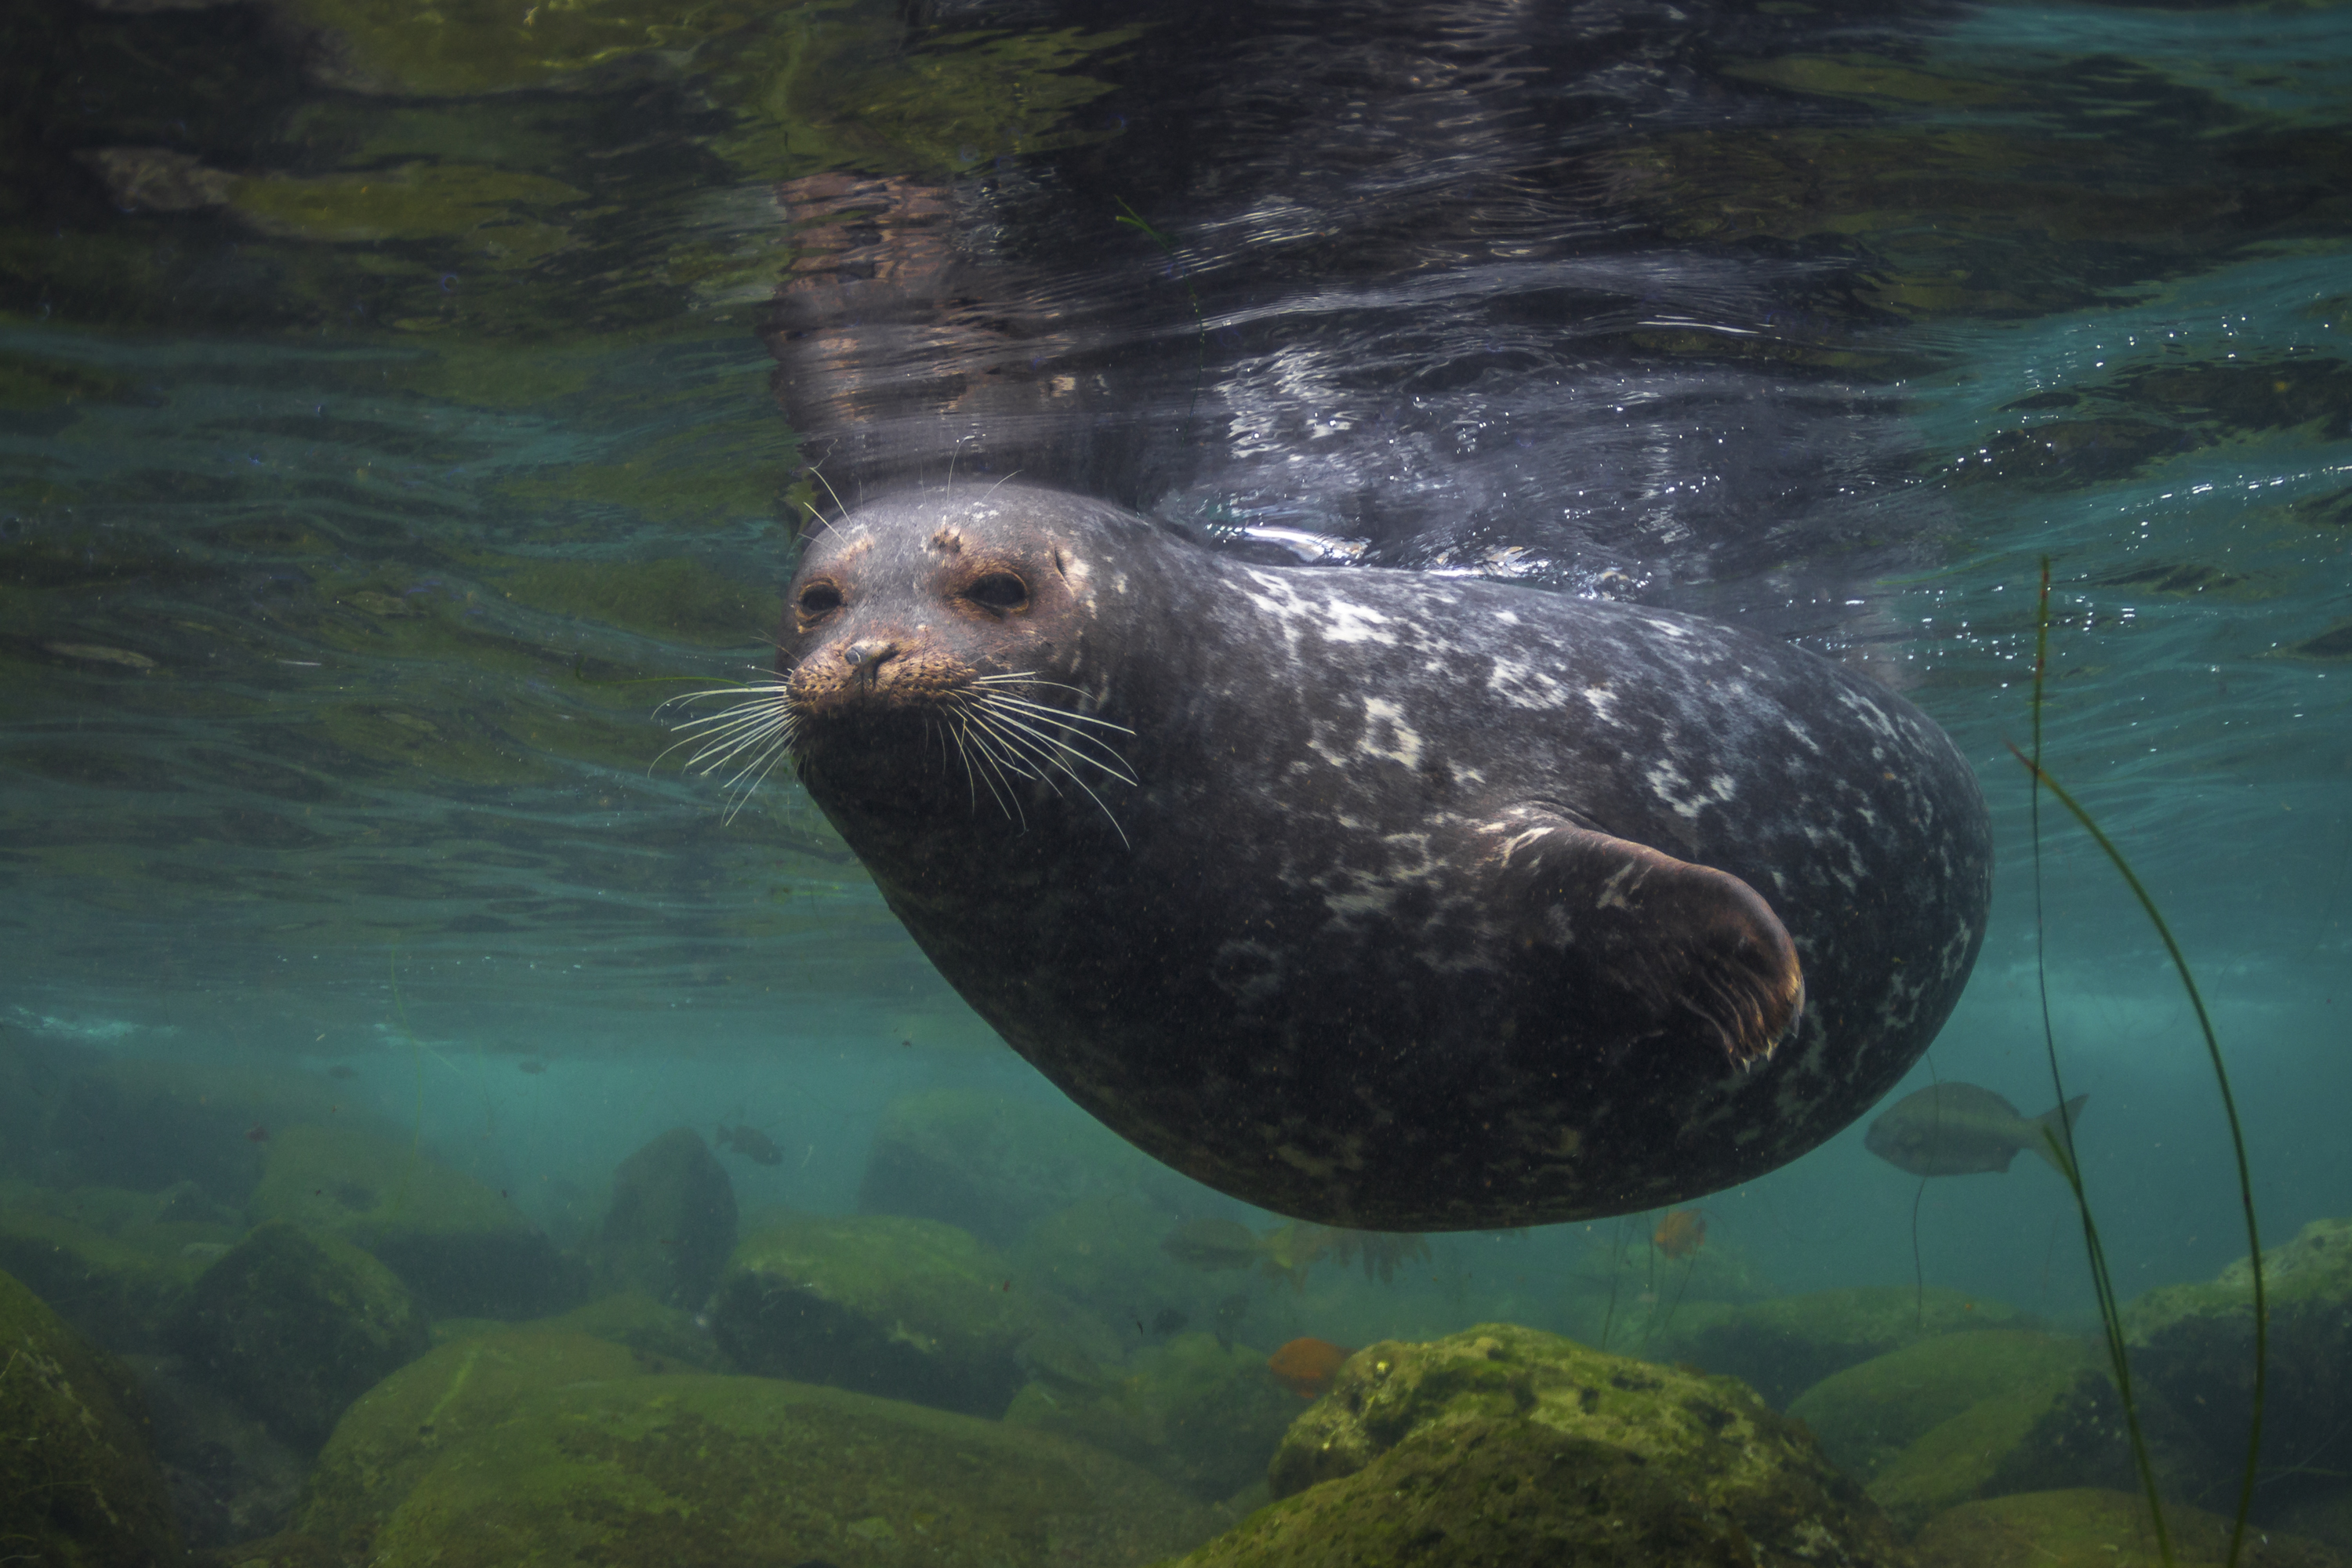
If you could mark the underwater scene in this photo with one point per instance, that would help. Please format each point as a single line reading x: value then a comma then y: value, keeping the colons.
x: 487, y: 1079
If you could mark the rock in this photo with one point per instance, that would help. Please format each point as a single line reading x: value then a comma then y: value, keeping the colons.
x: 671, y: 1223
x: 1504, y: 1445
x: 907, y: 1308
x: 461, y: 1246
x: 1204, y: 1416
x: 2195, y: 1345
x: 664, y: 1334
x: 123, y: 1289
x: 2327, y: 1519
x: 1784, y: 1346
x: 294, y: 1326
x: 1983, y: 1415
x: 229, y: 1477
x: 78, y: 1489
x: 556, y: 1449
x: 990, y: 1165
x: 2088, y: 1528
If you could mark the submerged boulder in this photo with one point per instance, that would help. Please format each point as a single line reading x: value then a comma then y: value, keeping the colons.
x: 121, y: 1283
x: 230, y: 1477
x: 2195, y: 1345
x: 2091, y: 1528
x: 295, y: 1326
x: 1984, y: 1415
x: 557, y: 1448
x: 991, y: 1165
x: 1782, y: 1347
x: 77, y: 1487
x: 460, y: 1245
x: 671, y: 1223
x: 908, y: 1309
x: 1503, y: 1444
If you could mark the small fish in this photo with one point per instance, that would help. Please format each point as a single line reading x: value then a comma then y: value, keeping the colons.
x: 1306, y: 1367
x: 1680, y: 1232
x: 1168, y: 1321
x: 531, y: 1065
x: 343, y: 1069
x: 257, y: 1133
x: 751, y: 1143
x: 1958, y: 1129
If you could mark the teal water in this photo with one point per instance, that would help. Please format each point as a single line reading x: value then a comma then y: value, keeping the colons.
x: 348, y: 549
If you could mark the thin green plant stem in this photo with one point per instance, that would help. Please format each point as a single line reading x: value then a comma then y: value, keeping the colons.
x: 2062, y: 1141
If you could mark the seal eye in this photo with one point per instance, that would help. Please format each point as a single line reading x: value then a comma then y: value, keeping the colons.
x: 998, y: 590
x: 819, y: 599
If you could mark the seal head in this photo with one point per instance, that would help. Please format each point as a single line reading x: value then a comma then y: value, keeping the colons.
x: 1376, y: 899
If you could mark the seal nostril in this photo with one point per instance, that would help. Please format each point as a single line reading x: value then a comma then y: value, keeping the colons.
x: 873, y: 650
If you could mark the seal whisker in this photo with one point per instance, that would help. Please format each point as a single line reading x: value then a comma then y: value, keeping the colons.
x: 1057, y: 715
x: 1064, y: 745
x: 995, y: 776
x: 1024, y: 680
x: 1036, y: 745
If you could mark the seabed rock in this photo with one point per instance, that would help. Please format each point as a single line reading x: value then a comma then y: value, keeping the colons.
x: 557, y: 1449
x: 117, y: 1279
x: 905, y: 1309
x: 2089, y: 1528
x: 462, y: 1248
x: 2195, y: 1345
x: 1784, y: 1346
x: 295, y: 1326
x: 1504, y: 1445
x: 230, y: 1477
x: 671, y: 1223
x: 78, y: 1489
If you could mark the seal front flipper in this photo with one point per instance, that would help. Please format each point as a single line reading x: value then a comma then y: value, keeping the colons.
x: 1669, y: 939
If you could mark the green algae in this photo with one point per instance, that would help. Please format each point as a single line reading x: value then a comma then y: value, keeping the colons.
x: 78, y: 1489
x: 1866, y: 1416
x: 295, y: 1325
x: 1502, y: 1444
x: 2091, y: 1528
x: 1784, y: 1346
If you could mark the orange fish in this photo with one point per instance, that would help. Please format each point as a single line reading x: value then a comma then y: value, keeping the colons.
x: 1680, y: 1232
x: 1306, y: 1367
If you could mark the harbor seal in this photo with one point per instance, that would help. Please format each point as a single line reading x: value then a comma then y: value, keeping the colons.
x: 1378, y: 898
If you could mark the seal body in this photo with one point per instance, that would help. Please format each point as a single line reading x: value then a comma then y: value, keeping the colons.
x: 1376, y: 898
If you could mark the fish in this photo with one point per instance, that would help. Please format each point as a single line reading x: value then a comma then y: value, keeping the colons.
x: 1306, y: 1367
x: 751, y: 1143
x: 343, y: 1069
x: 531, y: 1065
x: 1958, y: 1129
x: 1212, y: 1243
x: 257, y: 1133
x: 1168, y: 1320
x: 1227, y: 1320
x: 1679, y: 1233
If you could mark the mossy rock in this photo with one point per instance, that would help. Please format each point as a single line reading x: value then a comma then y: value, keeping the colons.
x: 2093, y: 1527
x: 1203, y: 1415
x: 1784, y: 1346
x: 400, y: 1428
x: 2195, y: 1345
x: 1505, y: 1445
x: 991, y: 1165
x: 555, y: 1464
x: 668, y: 1336
x: 124, y: 1293
x: 907, y: 1308
x: 670, y: 1225
x: 1866, y: 1416
x: 295, y: 1326
x: 460, y: 1245
x: 77, y: 1487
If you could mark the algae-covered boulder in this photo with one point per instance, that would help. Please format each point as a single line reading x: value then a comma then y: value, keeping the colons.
x: 556, y: 1449
x: 295, y: 1326
x: 992, y: 1165
x: 1503, y: 1444
x: 122, y: 1288
x: 1204, y: 1415
x: 460, y: 1245
x: 2090, y: 1528
x: 671, y: 1223
x: 78, y: 1489
x: 908, y: 1309
x: 1784, y: 1346
x: 1982, y: 1415
x: 662, y: 1336
x: 229, y: 1477
x: 401, y: 1427
x: 2195, y: 1345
